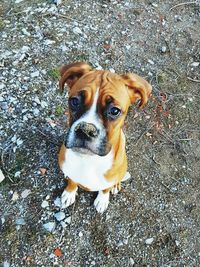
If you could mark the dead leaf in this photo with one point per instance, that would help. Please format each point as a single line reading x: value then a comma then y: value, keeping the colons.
x: 163, y: 96
x: 57, y: 252
x: 27, y: 258
x: 107, y: 251
x: 35, y: 61
x: 167, y: 113
x: 10, y: 109
x: 51, y: 122
x: 43, y: 170
x: 15, y: 196
x: 66, y: 113
x: 106, y: 46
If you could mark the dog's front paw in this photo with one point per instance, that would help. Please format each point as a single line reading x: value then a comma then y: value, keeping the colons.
x: 101, y: 202
x: 67, y: 198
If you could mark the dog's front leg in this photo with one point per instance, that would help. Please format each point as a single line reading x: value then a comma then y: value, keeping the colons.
x: 69, y: 194
x: 102, y: 200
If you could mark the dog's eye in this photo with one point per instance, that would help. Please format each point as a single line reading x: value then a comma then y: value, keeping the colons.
x: 74, y: 102
x: 114, y: 112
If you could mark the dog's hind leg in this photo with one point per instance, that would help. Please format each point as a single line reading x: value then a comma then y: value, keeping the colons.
x: 116, y: 188
x: 126, y: 177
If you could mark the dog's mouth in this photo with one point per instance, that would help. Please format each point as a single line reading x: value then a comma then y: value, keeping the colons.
x: 83, y: 150
x: 88, y: 148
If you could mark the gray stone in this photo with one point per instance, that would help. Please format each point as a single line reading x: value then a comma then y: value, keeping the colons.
x: 20, y: 221
x: 149, y: 241
x: 59, y: 216
x: 50, y: 226
x: 3, y: 105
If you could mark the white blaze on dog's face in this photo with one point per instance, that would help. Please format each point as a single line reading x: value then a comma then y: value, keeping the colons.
x: 87, y: 134
x: 98, y: 104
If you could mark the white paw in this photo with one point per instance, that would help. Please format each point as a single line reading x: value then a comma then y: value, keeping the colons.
x: 114, y: 190
x: 126, y: 176
x: 101, y: 202
x: 67, y: 198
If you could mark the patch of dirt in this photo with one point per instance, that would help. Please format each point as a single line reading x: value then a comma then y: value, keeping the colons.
x: 154, y: 220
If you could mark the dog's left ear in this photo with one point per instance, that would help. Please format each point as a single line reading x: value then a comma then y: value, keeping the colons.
x: 72, y: 72
x: 138, y: 88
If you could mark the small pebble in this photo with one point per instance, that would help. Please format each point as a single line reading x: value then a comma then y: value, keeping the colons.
x: 15, y: 196
x: 25, y: 193
x: 64, y: 225
x: 25, y: 32
x: 20, y: 221
x: 80, y: 234
x: 17, y: 174
x: 44, y: 204
x: 50, y: 226
x: 49, y: 42
x: 59, y: 216
x: 37, y: 100
x: 52, y: 9
x: 25, y: 48
x: 44, y: 104
x: 22, y: 57
x: 2, y: 177
x: 77, y: 30
x: 2, y: 220
x: 57, y: 202
x: 36, y: 111
x: 149, y: 241
x: 195, y: 64
x: 154, y: 4
x: 131, y: 260
x: 163, y: 49
x: 68, y: 220
x: 2, y: 86
x: 57, y: 2
x: 3, y: 105
x: 19, y: 142
x: 6, y: 264
x: 150, y: 61
x: 35, y: 74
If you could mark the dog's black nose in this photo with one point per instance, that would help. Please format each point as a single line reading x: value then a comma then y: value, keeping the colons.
x: 86, y: 131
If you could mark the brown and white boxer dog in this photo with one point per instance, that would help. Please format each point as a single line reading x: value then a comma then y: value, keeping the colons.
x: 93, y: 155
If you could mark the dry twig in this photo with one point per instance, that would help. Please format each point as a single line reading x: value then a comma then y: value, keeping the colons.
x: 3, y: 164
x: 193, y: 80
x: 183, y: 4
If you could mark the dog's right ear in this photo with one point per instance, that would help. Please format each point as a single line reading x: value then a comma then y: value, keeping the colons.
x: 72, y: 72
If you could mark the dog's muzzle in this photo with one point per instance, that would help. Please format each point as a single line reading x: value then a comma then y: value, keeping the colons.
x: 86, y: 131
x: 86, y: 138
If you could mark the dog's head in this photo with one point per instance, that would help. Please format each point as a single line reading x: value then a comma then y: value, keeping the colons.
x: 98, y: 104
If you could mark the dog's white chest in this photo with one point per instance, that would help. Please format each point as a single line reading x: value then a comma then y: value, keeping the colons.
x: 88, y: 170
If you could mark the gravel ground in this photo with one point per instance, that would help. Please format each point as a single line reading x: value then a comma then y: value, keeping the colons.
x: 154, y: 220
